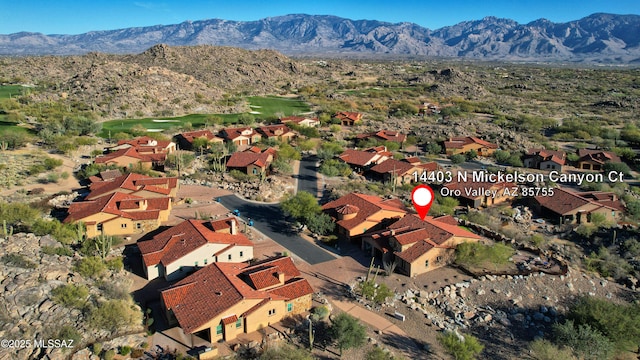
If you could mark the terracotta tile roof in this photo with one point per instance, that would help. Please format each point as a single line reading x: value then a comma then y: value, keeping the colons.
x: 430, y: 166
x: 353, y: 116
x: 558, y: 157
x: 368, y: 206
x: 385, y: 135
x: 232, y: 133
x: 214, y: 289
x: 565, y: 201
x: 347, y: 209
x: 264, y: 278
x: 597, y: 156
x: 414, y: 252
x: 460, y: 142
x: 184, y: 238
x: 412, y: 160
x: 192, y: 135
x: 275, y: 130
x: 365, y: 157
x: 146, y: 142
x: 298, y: 119
x: 129, y: 152
x: 392, y: 166
x: 110, y: 174
x: 134, y: 183
x: 293, y: 289
x: 246, y: 158
x: 229, y: 320
x: 116, y: 204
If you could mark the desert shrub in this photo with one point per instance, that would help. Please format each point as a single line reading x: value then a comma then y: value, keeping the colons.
x: 125, y: 350
x: 70, y: 295
x: 137, y: 353
x: 473, y: 253
x: 285, y: 352
x: 545, y: 350
x: 620, y: 323
x: 586, y: 342
x: 457, y: 158
x: 51, y: 163
x: 115, y: 264
x: 240, y: 176
x: 96, y: 348
x: 111, y: 315
x: 320, y: 313
x: 347, y: 332
x: 68, y: 332
x: 321, y: 224
x: 109, y: 354
x: 461, y: 350
x: 56, y: 250
x: 18, y: 260
x: 90, y: 267
x: 378, y: 354
x: 378, y: 293
x: 333, y: 167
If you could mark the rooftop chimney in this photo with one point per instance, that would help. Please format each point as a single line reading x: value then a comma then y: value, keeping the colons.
x: 234, y: 230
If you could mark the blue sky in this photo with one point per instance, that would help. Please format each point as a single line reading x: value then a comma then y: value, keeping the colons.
x: 79, y: 16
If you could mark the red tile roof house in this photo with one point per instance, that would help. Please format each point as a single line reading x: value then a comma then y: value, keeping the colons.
x: 355, y: 214
x: 242, y: 137
x: 183, y: 248
x: 301, y: 120
x: 417, y: 245
x: 277, y: 132
x: 595, y: 159
x: 119, y: 214
x: 348, y: 118
x: 185, y: 139
x: 130, y: 157
x: 146, y: 145
x: 361, y: 160
x: 400, y: 171
x: 568, y: 207
x: 461, y: 145
x: 223, y: 300
x: 136, y: 184
x: 252, y: 161
x: 545, y: 159
x: 384, y: 135
x: 475, y: 194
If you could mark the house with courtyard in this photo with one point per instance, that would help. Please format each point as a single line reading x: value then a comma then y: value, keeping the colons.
x: 252, y: 161
x: 135, y: 184
x: 361, y: 160
x: 355, y: 213
x: 146, y: 145
x: 462, y: 145
x: 569, y: 207
x: 545, y: 159
x: 418, y: 246
x: 384, y: 135
x: 131, y: 158
x: 301, y: 121
x: 119, y: 214
x: 401, y: 172
x: 192, y: 244
x: 185, y: 139
x: 590, y: 159
x: 348, y: 118
x: 241, y: 137
x: 276, y: 132
x: 223, y: 300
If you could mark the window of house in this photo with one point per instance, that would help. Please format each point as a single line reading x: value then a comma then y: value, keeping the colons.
x: 289, y: 307
x: 439, y: 259
x: 205, y: 261
x: 255, y: 171
x: 124, y: 226
x: 219, y: 329
x: 272, y: 312
x: 229, y: 257
x: 241, y: 254
x: 239, y: 323
x: 426, y: 263
x: 138, y: 226
x: 99, y: 227
x: 196, y: 264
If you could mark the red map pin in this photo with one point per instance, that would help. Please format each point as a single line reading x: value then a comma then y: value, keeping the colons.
x: 422, y: 197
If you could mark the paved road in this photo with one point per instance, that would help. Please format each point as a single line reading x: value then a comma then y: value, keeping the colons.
x: 271, y: 221
x: 308, y: 175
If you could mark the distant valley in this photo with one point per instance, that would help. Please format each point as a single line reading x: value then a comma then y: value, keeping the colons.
x: 598, y: 38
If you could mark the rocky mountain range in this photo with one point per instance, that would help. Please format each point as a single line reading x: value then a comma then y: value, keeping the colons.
x: 598, y: 38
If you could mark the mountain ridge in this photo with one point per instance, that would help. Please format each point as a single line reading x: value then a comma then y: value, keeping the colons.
x: 597, y: 38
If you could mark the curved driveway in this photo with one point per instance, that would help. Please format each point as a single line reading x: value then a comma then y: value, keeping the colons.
x: 270, y: 220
